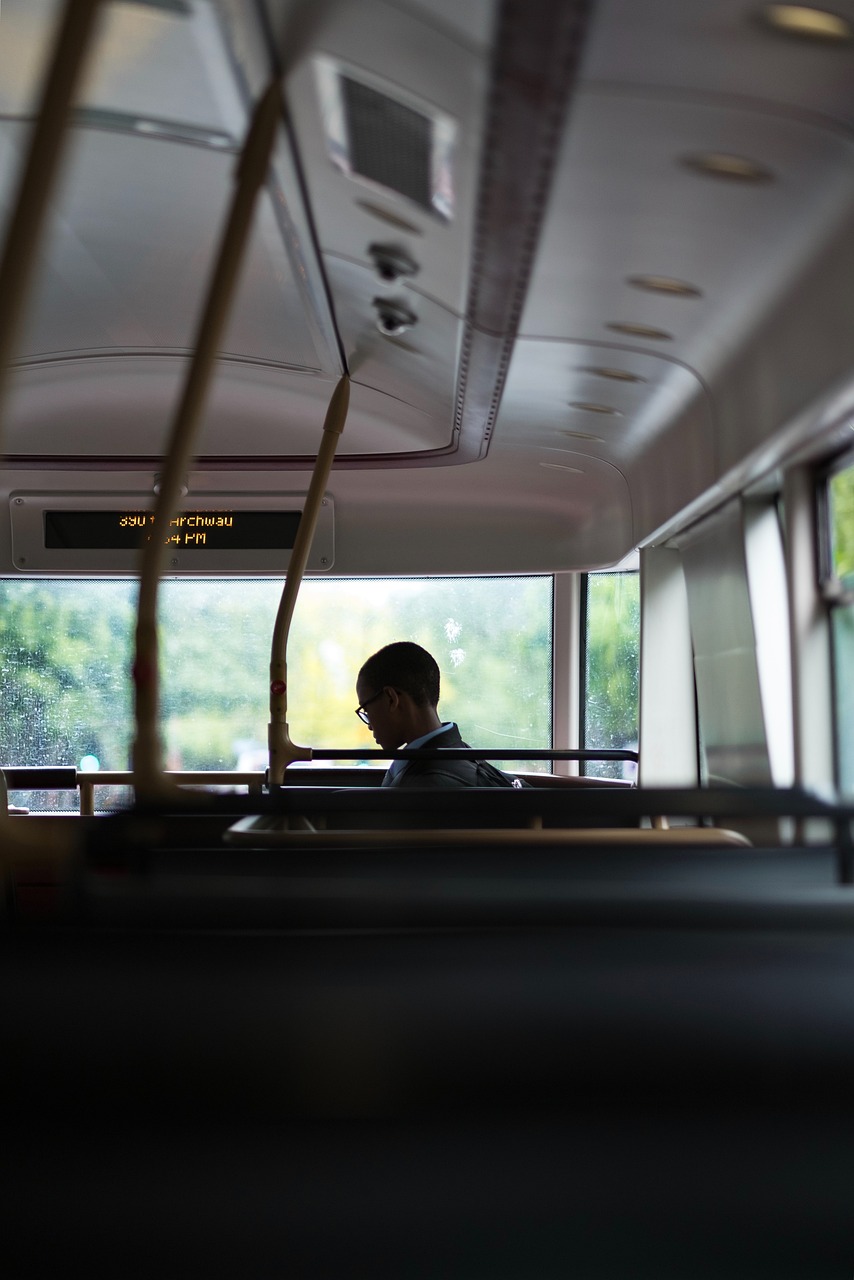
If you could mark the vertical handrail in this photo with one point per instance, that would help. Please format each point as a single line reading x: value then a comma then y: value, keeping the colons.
x: 87, y: 798
x: 39, y: 172
x: 844, y: 852
x: 149, y: 777
x: 17, y: 265
x: 282, y: 751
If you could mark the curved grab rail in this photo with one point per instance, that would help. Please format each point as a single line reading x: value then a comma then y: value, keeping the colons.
x: 18, y: 261
x: 282, y: 751
x: 149, y: 777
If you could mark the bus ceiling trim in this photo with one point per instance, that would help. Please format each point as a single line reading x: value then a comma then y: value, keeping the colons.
x: 536, y: 57
x: 447, y: 456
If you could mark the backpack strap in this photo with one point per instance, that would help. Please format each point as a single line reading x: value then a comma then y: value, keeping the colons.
x: 489, y: 776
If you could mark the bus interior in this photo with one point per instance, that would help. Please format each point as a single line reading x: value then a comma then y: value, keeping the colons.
x: 522, y: 329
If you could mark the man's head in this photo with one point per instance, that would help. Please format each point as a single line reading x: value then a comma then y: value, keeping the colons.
x: 399, y: 689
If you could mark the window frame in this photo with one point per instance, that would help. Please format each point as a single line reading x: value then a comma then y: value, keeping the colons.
x: 630, y: 565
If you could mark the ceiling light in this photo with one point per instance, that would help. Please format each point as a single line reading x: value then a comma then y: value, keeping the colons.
x: 595, y: 408
x: 665, y: 284
x: 640, y: 330
x: 802, y: 20
x: 721, y: 164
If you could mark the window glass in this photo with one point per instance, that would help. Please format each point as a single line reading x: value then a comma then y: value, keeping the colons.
x: 838, y: 572
x: 842, y: 621
x: 841, y: 509
x: 612, y: 669
x: 66, y: 651
x: 490, y: 636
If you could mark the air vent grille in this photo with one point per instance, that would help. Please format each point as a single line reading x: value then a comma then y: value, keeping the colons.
x: 383, y: 135
x: 389, y: 143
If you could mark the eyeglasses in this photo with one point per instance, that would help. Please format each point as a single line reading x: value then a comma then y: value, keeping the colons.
x: 360, y: 710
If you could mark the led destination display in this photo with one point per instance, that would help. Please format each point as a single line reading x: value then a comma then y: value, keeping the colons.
x: 190, y: 530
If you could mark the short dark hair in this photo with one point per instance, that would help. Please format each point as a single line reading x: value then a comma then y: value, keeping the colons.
x: 404, y: 666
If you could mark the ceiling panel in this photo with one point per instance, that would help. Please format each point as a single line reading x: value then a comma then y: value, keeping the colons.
x: 146, y: 63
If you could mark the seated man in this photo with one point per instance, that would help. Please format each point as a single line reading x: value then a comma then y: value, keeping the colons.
x: 398, y: 692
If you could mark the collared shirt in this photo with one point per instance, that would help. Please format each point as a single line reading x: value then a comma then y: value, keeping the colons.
x: 396, y: 765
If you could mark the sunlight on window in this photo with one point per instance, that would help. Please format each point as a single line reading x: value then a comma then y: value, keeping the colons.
x: 66, y: 654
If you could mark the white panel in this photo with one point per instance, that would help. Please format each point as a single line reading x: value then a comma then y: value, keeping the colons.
x: 732, y: 728
x: 668, y: 729
x: 130, y: 247
x: 566, y: 648
x: 811, y: 672
x: 769, y: 603
x: 123, y: 406
x: 145, y: 62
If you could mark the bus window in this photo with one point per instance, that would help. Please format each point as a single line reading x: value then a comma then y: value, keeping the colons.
x: 838, y: 583
x: 611, y: 669
x: 66, y: 652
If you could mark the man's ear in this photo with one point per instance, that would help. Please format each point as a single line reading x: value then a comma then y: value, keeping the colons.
x: 393, y: 697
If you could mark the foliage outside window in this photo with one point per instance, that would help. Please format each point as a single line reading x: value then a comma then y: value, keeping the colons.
x: 839, y: 581
x: 66, y: 652
x: 841, y: 511
x: 612, y: 670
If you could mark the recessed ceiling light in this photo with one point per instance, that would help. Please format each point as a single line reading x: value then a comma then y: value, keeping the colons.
x: 595, y: 408
x: 665, y: 284
x: 803, y: 20
x: 640, y: 330
x: 616, y: 375
x: 722, y: 164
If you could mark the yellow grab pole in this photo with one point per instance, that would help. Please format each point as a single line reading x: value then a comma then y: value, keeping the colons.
x: 282, y: 751
x: 149, y: 777
x: 39, y: 171
x: 16, y: 269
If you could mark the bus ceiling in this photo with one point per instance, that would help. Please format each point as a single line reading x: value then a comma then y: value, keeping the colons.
x: 588, y: 266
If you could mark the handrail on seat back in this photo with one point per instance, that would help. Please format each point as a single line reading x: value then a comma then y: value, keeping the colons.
x: 251, y: 832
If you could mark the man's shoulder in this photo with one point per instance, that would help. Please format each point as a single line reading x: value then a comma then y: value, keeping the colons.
x: 448, y: 737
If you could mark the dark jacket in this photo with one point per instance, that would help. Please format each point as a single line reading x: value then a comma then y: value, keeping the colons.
x: 449, y: 773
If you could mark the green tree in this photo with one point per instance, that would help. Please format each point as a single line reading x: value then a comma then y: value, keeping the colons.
x: 66, y: 651
x: 64, y: 657
x: 612, y: 665
x: 842, y: 524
